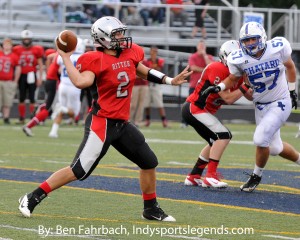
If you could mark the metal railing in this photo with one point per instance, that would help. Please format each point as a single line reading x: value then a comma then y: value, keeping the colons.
x: 223, y: 22
x: 13, y: 19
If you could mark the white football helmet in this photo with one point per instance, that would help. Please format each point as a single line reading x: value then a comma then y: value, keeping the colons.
x: 26, y: 34
x: 80, y: 47
x: 253, y: 30
x: 226, y: 48
x: 103, y: 33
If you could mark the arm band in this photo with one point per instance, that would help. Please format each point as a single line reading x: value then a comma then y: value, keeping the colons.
x: 155, y: 76
x: 244, y: 88
x: 292, y: 86
x: 222, y: 86
x: 168, y: 80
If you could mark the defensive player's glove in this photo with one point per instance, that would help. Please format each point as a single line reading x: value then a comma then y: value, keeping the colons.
x: 211, y: 89
x: 294, y: 99
x: 202, y: 101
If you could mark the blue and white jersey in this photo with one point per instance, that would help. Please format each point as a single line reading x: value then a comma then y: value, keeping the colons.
x: 267, y: 73
x: 64, y: 78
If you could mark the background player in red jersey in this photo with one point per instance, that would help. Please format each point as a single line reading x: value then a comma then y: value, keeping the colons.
x: 200, y: 115
x: 29, y: 57
x: 9, y: 75
x: 52, y: 80
x: 110, y: 73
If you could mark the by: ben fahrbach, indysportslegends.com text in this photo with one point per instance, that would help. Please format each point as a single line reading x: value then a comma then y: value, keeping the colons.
x: 147, y: 230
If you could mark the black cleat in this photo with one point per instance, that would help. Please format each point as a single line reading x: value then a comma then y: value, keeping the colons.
x: 156, y: 213
x: 251, y: 184
x: 6, y: 121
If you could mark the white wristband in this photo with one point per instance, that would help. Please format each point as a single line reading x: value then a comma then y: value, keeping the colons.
x: 168, y: 80
x: 292, y: 86
x: 222, y: 86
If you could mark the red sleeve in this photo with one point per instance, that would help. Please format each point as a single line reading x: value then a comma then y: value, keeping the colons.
x: 38, y: 51
x: 16, y: 49
x: 49, y: 51
x: 240, y: 82
x: 138, y: 53
x: 217, y: 72
x: 88, y: 62
x: 15, y: 59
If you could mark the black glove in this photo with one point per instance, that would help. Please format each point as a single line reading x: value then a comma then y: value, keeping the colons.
x: 204, y: 94
x: 294, y: 99
x: 209, y: 90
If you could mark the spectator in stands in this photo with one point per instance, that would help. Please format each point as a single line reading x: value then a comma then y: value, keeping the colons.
x: 10, y: 71
x: 156, y: 13
x: 200, y: 15
x: 109, y: 7
x: 52, y: 81
x: 154, y: 98
x: 75, y: 14
x: 130, y: 13
x: 31, y: 60
x: 177, y: 12
x: 198, y: 61
x: 91, y: 10
x: 139, y: 91
x: 53, y: 9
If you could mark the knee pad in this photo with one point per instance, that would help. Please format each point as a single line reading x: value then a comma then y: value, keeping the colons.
x: 224, y: 135
x: 275, y: 149
x: 78, y: 171
x: 260, y: 142
x: 259, y: 138
x: 146, y: 157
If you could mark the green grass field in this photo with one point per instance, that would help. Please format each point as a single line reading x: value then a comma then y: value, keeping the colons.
x: 93, y: 213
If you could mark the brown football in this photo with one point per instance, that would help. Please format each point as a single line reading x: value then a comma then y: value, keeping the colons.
x: 66, y: 41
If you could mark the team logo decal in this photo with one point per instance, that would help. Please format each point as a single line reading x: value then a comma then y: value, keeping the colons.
x: 217, y: 80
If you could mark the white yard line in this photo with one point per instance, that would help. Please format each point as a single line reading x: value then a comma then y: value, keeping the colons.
x: 169, y: 141
x: 280, y: 237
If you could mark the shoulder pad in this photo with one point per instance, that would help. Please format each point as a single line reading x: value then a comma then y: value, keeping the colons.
x: 278, y: 43
x: 236, y: 57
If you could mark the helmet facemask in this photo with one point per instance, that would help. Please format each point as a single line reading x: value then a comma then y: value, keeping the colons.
x: 120, y: 43
x: 253, y: 48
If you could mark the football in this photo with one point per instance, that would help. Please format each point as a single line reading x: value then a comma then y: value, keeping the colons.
x: 66, y: 41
